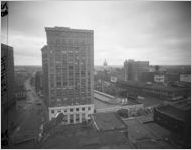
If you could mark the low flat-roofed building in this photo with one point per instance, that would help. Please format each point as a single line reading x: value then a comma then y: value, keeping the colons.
x: 156, y: 90
x: 108, y: 103
x: 177, y: 118
x: 137, y: 132
x: 150, y: 144
x: 78, y: 136
x: 157, y: 130
x: 147, y: 135
x: 184, y: 77
x: 108, y: 121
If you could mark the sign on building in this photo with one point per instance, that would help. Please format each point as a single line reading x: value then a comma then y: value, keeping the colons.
x: 159, y: 78
x: 185, y: 77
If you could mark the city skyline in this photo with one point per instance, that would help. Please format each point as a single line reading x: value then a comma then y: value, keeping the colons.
x: 158, y: 32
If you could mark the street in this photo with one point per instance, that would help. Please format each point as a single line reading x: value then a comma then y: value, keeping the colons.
x: 30, y: 117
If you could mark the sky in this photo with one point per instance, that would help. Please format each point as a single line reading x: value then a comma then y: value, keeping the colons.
x: 158, y: 32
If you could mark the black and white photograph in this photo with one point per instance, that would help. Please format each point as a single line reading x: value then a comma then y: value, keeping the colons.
x: 96, y: 74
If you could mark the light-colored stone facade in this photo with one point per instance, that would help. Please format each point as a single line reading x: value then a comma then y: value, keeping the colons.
x: 72, y: 114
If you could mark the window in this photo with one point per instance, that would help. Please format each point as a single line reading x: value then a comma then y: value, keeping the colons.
x: 64, y: 83
x: 70, y: 67
x: 71, y: 109
x: 83, y: 117
x: 52, y: 111
x: 77, y: 109
x: 83, y: 108
x: 71, y: 118
x: 58, y: 84
x: 89, y: 108
x: 65, y: 110
x: 77, y: 116
x: 65, y: 118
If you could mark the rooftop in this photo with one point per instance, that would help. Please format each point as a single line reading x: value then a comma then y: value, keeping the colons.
x: 183, y: 104
x: 157, y: 130
x: 79, y: 136
x: 152, y: 86
x: 108, y: 121
x: 111, y: 100
x: 147, y: 135
x: 6, y: 46
x: 172, y: 111
x: 66, y: 29
x: 137, y: 132
x: 150, y: 144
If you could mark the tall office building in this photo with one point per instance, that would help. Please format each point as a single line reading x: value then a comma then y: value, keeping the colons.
x: 133, y: 69
x: 68, y: 66
x: 8, y: 107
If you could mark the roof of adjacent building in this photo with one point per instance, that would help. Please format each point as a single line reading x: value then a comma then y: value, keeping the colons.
x: 173, y: 112
x: 152, y: 144
x: 184, y: 105
x: 79, y: 136
x: 108, y: 121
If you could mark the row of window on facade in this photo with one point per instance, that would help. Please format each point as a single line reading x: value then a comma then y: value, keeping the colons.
x: 71, y: 110
x: 61, y: 94
x: 83, y: 50
x: 70, y: 62
x: 69, y: 66
x: 70, y: 82
x: 75, y: 118
x: 70, y: 100
x: 61, y: 41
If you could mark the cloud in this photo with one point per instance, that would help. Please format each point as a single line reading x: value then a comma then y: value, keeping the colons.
x: 156, y: 31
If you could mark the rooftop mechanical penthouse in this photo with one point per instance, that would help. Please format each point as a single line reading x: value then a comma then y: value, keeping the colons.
x: 68, y: 66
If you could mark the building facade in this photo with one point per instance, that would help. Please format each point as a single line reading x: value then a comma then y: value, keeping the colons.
x: 68, y: 66
x: 159, y: 78
x: 8, y: 103
x: 39, y: 82
x: 185, y: 78
x: 155, y: 90
x: 177, y: 118
x: 133, y: 69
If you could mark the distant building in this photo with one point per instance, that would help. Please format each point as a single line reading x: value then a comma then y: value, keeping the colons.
x: 20, y: 78
x: 39, y: 82
x: 177, y: 118
x: 68, y: 66
x: 172, y: 77
x: 159, y: 78
x: 106, y: 67
x: 156, y: 90
x: 118, y: 73
x: 105, y: 63
x: 8, y: 103
x: 133, y: 69
x: 147, y: 77
x: 20, y: 93
x: 185, y: 78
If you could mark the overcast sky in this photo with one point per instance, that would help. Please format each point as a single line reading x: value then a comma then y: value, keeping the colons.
x: 159, y: 32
